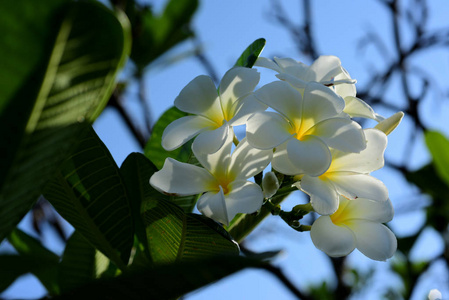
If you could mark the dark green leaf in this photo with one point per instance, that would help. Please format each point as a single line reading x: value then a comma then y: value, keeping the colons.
x: 42, y: 262
x: 79, y: 49
x: 176, y: 236
x: 155, y: 35
x: 166, y: 281
x: 250, y: 55
x: 81, y: 263
x: 136, y: 171
x: 88, y: 192
x: 14, y: 266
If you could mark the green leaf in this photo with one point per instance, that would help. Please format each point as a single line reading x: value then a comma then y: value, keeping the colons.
x: 136, y: 171
x: 438, y: 146
x: 42, y: 262
x: 250, y: 55
x: 81, y: 263
x: 89, y: 193
x: 166, y: 281
x: 14, y: 266
x: 79, y: 49
x: 155, y: 35
x: 176, y: 236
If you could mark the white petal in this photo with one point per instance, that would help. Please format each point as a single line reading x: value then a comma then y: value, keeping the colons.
x: 236, y: 83
x: 283, y: 98
x: 244, y: 197
x: 282, y: 163
x: 323, y: 195
x: 178, y: 132
x: 311, y: 155
x: 320, y: 103
x: 244, y: 107
x: 266, y: 130
x: 217, y: 162
x: 366, y: 161
x: 334, y: 240
x: 212, y: 140
x: 247, y: 161
x: 342, y: 134
x: 213, y: 205
x: 356, y: 107
x: 182, y: 179
x: 345, y: 90
x: 366, y: 209
x: 326, y: 67
x: 295, y: 68
x: 354, y: 185
x: 267, y: 63
x: 374, y: 240
x: 200, y: 97
x: 292, y: 80
x: 388, y: 125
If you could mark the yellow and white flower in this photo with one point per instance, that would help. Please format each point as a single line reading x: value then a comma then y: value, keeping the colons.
x: 348, y: 175
x: 304, y: 126
x: 223, y: 180
x: 213, y: 114
x: 356, y: 224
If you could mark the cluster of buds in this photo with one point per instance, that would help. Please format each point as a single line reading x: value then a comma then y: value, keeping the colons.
x: 303, y: 125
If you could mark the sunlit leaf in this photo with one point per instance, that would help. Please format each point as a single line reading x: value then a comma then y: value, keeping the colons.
x: 251, y: 53
x: 176, y: 236
x: 59, y: 63
x: 89, y: 193
x: 438, y: 146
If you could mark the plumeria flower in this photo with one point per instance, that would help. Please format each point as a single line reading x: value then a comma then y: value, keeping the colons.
x: 223, y: 180
x: 326, y: 70
x: 213, y: 113
x: 435, y: 294
x: 388, y: 125
x: 356, y: 224
x: 348, y: 175
x: 304, y: 127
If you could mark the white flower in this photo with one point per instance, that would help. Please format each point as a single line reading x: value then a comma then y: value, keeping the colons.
x: 305, y: 127
x: 223, y: 179
x: 326, y: 70
x: 347, y: 175
x: 435, y: 295
x: 356, y: 224
x: 213, y: 113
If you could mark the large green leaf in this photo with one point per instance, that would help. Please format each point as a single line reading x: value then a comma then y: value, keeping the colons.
x: 166, y: 281
x: 438, y: 146
x: 251, y: 53
x: 40, y: 261
x: 177, y: 236
x: 88, y: 192
x: 136, y: 171
x: 155, y: 35
x: 81, y: 263
x: 79, y: 48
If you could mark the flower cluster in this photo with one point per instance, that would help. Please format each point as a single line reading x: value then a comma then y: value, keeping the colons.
x: 302, y: 125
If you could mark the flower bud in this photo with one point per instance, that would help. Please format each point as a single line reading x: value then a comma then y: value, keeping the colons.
x: 390, y: 124
x: 270, y: 184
